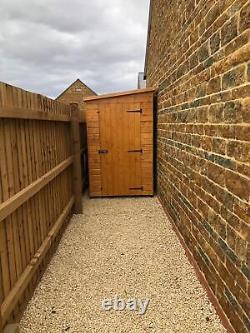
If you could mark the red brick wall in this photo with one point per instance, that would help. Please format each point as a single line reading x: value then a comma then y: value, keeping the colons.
x: 198, y: 56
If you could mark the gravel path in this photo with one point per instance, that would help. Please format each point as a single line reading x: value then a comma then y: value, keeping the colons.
x: 123, y: 247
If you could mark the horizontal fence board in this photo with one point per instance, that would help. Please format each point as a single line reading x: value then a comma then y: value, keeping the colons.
x: 21, y: 113
x: 21, y: 197
x: 19, y: 288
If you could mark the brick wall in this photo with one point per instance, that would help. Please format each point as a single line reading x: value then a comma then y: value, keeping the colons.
x: 198, y: 56
x: 75, y: 94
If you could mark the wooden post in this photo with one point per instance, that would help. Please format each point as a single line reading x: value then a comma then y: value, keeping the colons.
x: 1, y: 322
x: 76, y: 152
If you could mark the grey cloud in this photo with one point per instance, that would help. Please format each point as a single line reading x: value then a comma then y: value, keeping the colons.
x: 45, y: 45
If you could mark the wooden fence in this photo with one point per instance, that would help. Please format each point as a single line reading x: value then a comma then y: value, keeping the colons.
x: 40, y: 187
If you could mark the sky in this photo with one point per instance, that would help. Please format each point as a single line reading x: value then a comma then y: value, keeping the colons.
x: 45, y: 45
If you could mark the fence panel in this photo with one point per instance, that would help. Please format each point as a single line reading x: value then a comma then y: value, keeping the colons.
x: 39, y: 153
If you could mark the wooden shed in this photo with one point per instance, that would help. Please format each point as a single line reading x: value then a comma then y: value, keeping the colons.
x: 120, y: 143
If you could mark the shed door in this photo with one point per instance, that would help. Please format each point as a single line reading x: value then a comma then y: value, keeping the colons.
x: 120, y: 141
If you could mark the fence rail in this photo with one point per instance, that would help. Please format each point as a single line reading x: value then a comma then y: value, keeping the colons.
x: 40, y: 188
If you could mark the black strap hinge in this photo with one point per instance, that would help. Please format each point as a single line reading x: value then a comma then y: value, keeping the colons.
x: 136, y: 151
x: 135, y: 111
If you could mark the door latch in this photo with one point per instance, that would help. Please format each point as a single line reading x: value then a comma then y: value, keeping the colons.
x: 103, y: 151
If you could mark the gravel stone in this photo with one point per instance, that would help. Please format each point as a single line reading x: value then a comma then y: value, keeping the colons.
x: 124, y: 247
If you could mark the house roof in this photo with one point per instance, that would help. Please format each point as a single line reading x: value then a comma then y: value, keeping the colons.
x: 77, y: 80
x: 148, y: 37
x: 119, y: 94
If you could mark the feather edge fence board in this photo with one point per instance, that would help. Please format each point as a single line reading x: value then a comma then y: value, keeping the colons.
x: 40, y: 182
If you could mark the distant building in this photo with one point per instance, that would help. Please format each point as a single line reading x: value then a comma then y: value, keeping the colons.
x: 141, y: 81
x: 75, y: 93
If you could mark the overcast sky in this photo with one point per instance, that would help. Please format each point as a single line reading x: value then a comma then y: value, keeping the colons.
x: 47, y: 44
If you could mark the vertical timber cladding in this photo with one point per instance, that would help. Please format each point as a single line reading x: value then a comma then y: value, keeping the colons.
x: 120, y: 143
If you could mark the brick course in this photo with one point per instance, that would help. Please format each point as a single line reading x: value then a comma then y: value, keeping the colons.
x: 75, y: 93
x: 198, y: 57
